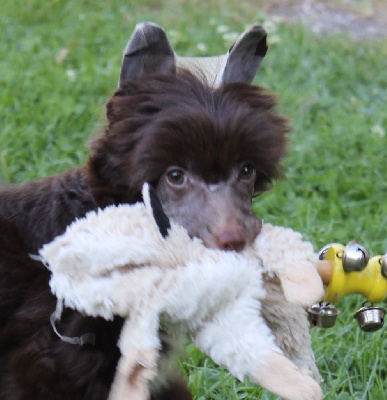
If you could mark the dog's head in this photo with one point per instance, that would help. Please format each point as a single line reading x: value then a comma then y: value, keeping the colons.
x: 206, y: 148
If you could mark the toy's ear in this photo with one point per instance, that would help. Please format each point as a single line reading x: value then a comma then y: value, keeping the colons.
x: 148, y: 51
x: 239, y: 64
x: 152, y: 202
x: 245, y: 56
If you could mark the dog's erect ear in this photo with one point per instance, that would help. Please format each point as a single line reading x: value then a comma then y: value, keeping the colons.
x: 152, y: 201
x: 245, y: 56
x: 148, y: 51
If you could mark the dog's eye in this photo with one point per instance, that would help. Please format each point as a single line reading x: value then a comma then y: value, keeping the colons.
x: 176, y: 177
x: 246, y: 172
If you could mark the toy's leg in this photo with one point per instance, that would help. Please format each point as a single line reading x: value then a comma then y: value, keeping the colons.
x: 238, y: 338
x: 302, y: 284
x: 284, y: 253
x: 137, y: 366
x: 133, y: 375
x: 290, y: 326
x: 280, y: 376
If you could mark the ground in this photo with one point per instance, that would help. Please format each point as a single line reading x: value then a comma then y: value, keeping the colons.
x: 361, y: 19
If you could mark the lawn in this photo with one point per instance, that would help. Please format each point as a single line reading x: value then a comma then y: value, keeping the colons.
x: 60, y: 62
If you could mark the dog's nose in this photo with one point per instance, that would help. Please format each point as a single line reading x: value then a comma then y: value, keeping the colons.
x: 230, y: 239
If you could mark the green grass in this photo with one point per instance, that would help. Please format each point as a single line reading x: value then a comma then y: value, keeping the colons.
x: 60, y: 62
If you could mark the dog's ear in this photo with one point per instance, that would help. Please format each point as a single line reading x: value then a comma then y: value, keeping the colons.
x: 245, y: 56
x: 148, y: 51
x: 152, y: 201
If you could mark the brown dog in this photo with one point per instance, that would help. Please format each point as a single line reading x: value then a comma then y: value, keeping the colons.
x: 207, y: 147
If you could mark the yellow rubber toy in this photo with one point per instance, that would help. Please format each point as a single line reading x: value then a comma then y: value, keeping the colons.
x: 369, y: 282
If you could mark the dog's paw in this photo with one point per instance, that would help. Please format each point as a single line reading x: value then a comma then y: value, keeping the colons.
x: 281, y: 377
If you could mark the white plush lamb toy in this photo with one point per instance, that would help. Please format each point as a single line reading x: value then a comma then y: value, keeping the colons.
x: 244, y: 310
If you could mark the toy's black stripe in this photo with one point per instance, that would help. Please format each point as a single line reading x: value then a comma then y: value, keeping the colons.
x: 159, y: 215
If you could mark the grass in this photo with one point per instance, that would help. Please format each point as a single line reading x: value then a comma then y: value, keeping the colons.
x: 60, y: 62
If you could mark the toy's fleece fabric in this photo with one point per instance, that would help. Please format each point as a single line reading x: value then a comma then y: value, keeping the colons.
x: 244, y: 310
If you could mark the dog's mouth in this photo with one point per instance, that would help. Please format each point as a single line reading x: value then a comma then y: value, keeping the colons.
x: 230, y: 237
x: 219, y: 213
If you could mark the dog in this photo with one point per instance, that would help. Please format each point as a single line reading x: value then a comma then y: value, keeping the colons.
x: 207, y: 141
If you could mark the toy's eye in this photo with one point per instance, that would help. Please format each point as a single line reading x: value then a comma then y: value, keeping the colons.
x: 246, y: 172
x: 177, y: 177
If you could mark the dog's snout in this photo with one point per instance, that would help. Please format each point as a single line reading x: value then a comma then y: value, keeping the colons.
x: 230, y: 239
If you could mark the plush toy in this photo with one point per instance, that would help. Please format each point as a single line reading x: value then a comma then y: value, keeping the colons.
x: 244, y: 310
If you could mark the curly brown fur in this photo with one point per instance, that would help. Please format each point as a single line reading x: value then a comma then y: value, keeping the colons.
x: 172, y: 119
x: 154, y: 123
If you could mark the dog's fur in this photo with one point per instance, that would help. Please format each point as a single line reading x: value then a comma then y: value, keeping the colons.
x: 156, y: 125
